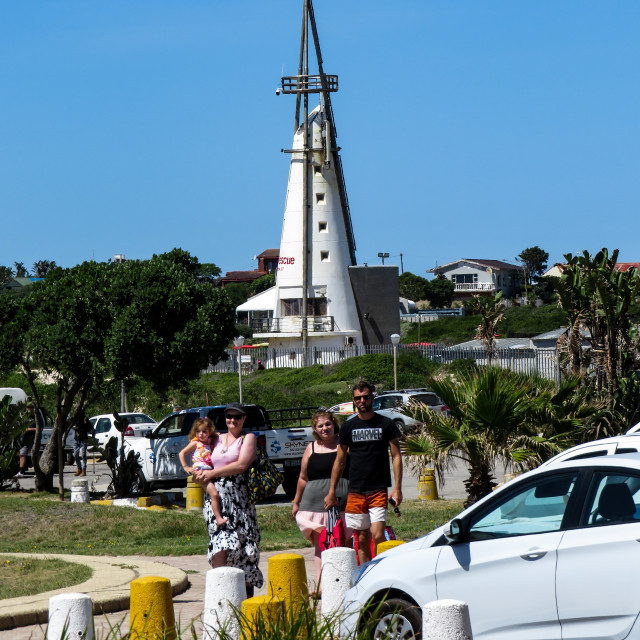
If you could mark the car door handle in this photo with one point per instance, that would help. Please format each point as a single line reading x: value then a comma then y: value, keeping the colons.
x: 534, y: 554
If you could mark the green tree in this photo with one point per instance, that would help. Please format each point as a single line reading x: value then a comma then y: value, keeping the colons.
x: 20, y: 269
x: 5, y: 275
x: 440, y: 292
x: 262, y: 284
x: 492, y: 311
x: 498, y: 416
x: 209, y: 270
x: 42, y: 267
x: 534, y: 260
x: 489, y: 409
x: 150, y: 319
x: 413, y: 287
x: 598, y: 300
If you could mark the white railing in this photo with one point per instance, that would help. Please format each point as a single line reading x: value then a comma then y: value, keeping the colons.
x: 476, y: 286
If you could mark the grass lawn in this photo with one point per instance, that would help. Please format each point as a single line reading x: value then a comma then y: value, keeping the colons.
x: 26, y: 577
x: 40, y: 523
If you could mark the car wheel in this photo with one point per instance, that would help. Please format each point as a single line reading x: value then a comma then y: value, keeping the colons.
x: 394, y: 618
x: 139, y: 484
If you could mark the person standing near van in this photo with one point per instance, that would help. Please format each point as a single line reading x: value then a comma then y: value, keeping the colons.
x: 83, y: 429
x: 367, y: 437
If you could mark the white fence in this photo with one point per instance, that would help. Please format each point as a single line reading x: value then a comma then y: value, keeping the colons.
x: 542, y: 362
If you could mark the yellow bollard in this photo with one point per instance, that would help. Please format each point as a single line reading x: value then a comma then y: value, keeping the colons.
x: 388, y: 544
x: 258, y: 613
x: 151, y: 609
x: 427, y: 488
x: 288, y: 579
x: 195, y: 495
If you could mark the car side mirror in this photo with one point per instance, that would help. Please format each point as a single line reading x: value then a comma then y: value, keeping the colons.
x: 453, y: 531
x: 147, y: 435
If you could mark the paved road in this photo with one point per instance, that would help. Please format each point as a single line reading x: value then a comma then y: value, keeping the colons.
x: 99, y: 476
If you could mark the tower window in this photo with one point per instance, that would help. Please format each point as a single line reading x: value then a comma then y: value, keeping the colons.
x: 317, y: 170
x: 322, y: 227
x: 324, y: 256
x: 320, y: 199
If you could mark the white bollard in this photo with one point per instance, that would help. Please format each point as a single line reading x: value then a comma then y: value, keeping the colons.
x: 335, y: 579
x: 446, y: 620
x: 80, y: 491
x: 70, y: 616
x: 225, y: 590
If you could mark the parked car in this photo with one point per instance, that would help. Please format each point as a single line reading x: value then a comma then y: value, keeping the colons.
x: 104, y: 426
x: 552, y: 554
x: 616, y: 445
x: 391, y: 404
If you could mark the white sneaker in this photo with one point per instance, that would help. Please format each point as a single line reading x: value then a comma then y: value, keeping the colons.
x: 19, y: 475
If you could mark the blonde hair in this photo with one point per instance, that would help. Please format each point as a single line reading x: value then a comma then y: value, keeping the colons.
x: 316, y: 417
x: 203, y: 423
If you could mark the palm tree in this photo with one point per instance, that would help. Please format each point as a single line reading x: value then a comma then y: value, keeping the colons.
x: 492, y: 312
x: 497, y: 416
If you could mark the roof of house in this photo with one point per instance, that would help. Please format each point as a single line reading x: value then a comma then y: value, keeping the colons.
x: 501, y: 343
x: 242, y: 276
x: 496, y: 265
x: 269, y: 253
x: 625, y: 266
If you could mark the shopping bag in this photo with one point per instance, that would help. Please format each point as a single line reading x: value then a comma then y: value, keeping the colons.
x: 333, y: 535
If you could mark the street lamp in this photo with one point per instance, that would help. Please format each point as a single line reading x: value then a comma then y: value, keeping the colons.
x: 237, y: 343
x: 395, y: 341
x: 383, y: 256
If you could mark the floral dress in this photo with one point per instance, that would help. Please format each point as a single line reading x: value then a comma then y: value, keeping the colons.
x: 240, y: 536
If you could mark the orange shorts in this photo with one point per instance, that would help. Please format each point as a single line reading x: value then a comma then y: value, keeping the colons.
x: 365, y: 508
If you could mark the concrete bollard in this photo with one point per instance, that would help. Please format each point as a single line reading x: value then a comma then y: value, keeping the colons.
x: 427, y: 487
x: 70, y: 616
x: 288, y: 579
x: 446, y: 620
x: 258, y: 611
x: 386, y: 545
x: 195, y: 495
x: 80, y: 491
x: 151, y: 611
x: 225, y: 590
x: 335, y: 579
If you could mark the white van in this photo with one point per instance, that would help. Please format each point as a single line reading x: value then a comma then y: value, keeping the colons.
x: 17, y: 395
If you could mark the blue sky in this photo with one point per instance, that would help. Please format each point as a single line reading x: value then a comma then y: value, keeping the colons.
x: 469, y: 128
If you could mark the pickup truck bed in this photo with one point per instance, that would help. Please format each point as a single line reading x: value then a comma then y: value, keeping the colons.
x: 159, y: 449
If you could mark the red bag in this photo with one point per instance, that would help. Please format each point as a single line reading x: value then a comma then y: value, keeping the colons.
x: 334, y: 534
x: 389, y: 534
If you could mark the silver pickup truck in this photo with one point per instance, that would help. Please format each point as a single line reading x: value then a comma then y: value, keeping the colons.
x: 280, y: 431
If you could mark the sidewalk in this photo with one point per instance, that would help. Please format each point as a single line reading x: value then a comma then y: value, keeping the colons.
x: 109, y: 588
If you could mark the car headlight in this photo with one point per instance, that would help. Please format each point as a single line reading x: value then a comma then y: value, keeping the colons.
x: 359, y: 572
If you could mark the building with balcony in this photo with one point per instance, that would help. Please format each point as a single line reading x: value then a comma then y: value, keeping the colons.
x: 484, y: 277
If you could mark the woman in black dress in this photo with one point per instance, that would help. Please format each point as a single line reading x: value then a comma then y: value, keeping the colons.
x: 315, y: 480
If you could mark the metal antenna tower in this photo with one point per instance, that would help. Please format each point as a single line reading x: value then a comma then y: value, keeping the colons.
x: 302, y: 85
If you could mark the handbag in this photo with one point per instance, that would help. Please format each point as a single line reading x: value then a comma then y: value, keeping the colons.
x: 334, y: 534
x: 263, y: 477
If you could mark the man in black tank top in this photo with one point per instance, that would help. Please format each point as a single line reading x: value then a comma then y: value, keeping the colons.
x: 368, y: 438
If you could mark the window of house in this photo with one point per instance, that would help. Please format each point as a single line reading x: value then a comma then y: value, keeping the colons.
x: 291, y: 306
x: 464, y: 278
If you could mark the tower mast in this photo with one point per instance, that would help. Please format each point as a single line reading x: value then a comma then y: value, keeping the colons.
x: 302, y: 85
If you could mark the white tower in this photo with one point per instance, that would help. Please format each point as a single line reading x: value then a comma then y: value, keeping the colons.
x: 314, y: 303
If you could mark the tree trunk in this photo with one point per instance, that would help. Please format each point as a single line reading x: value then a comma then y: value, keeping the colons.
x: 479, y: 484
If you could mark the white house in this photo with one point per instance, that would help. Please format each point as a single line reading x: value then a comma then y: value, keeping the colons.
x: 476, y: 276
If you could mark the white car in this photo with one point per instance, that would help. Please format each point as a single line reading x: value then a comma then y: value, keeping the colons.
x: 616, y: 445
x: 104, y: 426
x: 391, y: 404
x: 553, y: 554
